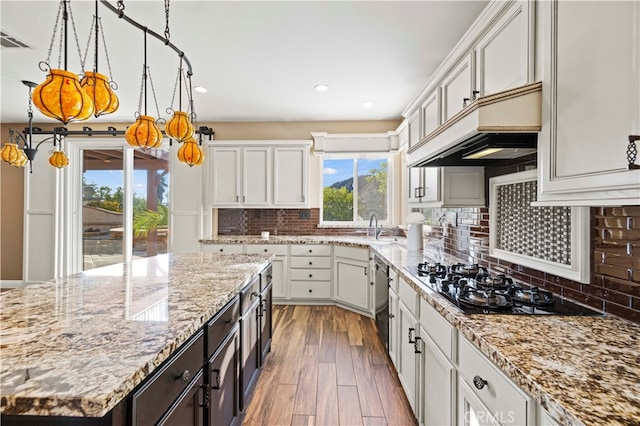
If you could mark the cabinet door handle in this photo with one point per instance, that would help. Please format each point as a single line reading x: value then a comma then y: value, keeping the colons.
x: 479, y: 382
x: 269, y: 276
x: 205, y: 398
x: 237, y: 198
x: 217, y: 381
x: 475, y: 94
x: 255, y: 294
x: 416, y: 345
x: 464, y: 102
x: 389, y: 280
x: 632, y: 152
x: 303, y: 198
x: 391, y: 316
x: 372, y: 283
x: 366, y: 273
x: 411, y: 338
x: 184, y: 377
x: 416, y: 192
x: 230, y: 321
x: 244, y: 198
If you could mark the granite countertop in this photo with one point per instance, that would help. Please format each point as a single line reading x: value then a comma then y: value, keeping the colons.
x: 582, y: 370
x: 77, y: 346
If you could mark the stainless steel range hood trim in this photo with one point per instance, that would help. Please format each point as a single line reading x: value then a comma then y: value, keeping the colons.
x: 513, y: 111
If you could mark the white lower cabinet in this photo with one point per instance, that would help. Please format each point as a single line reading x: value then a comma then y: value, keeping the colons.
x: 352, y: 284
x: 309, y: 273
x: 223, y: 248
x: 486, y: 394
x: 408, y: 360
x: 438, y: 377
x: 279, y: 264
x: 393, y: 327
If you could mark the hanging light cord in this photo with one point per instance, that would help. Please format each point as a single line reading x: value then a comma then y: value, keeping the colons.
x: 167, y: 35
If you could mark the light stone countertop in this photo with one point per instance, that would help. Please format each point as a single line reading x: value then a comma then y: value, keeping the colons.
x: 77, y: 346
x: 582, y: 370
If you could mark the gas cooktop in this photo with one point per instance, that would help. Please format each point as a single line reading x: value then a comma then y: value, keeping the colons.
x: 476, y: 291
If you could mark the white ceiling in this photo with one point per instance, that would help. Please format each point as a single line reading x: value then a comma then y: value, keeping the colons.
x: 258, y: 60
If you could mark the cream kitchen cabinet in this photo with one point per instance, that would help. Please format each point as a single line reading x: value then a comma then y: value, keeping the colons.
x: 457, y: 88
x: 280, y: 265
x: 438, y: 378
x: 486, y: 394
x: 447, y: 186
x: 291, y: 176
x: 393, y: 327
x: 430, y: 116
x: 223, y: 248
x: 352, y: 283
x: 408, y: 361
x: 591, y: 86
x: 310, y: 273
x: 504, y: 55
x: 259, y: 174
x: 241, y: 176
x: 413, y: 129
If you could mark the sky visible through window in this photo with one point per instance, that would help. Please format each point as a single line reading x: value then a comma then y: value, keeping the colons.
x: 336, y: 170
x: 113, y: 179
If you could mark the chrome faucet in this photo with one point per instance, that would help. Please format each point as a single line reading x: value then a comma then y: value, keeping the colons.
x: 377, y: 230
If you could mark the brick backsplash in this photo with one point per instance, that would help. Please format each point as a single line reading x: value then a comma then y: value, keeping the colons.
x: 280, y: 222
x: 615, y: 258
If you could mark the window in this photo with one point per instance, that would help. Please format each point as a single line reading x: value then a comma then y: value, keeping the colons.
x: 354, y: 188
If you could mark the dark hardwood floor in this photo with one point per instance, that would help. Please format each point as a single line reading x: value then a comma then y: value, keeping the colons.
x: 327, y: 366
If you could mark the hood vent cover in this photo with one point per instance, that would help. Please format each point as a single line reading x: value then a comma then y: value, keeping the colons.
x: 493, y: 128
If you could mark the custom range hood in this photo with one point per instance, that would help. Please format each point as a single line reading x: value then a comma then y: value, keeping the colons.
x: 493, y: 128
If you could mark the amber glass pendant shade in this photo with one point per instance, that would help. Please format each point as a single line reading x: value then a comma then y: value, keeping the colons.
x: 179, y: 127
x: 61, y: 97
x: 59, y: 159
x: 10, y: 152
x: 144, y: 133
x: 104, y: 98
x: 190, y: 153
x: 22, y: 159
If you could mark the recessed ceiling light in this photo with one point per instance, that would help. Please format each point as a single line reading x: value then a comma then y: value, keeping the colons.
x: 368, y: 104
x: 321, y: 87
x: 200, y: 89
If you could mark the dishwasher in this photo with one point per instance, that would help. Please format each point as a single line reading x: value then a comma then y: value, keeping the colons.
x: 382, y: 299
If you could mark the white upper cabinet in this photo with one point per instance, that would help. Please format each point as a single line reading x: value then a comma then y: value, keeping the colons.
x: 457, y: 87
x: 447, y: 186
x: 291, y: 176
x: 430, y: 114
x: 259, y: 174
x: 504, y: 54
x: 226, y: 175
x: 413, y: 124
x: 591, y: 52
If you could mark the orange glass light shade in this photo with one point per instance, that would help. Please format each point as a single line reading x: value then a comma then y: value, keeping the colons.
x: 59, y: 159
x: 10, y: 152
x: 21, y: 161
x: 104, y: 98
x: 61, y: 97
x: 190, y: 153
x: 144, y: 133
x: 179, y: 127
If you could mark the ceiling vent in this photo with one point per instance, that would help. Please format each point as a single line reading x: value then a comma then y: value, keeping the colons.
x: 10, y: 41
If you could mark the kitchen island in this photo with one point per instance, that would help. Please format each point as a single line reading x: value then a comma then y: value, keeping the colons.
x: 78, y: 346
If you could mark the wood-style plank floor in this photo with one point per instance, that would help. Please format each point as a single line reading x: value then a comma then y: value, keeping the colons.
x: 327, y: 366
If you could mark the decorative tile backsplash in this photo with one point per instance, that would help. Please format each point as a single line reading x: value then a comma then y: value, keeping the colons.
x: 540, y: 232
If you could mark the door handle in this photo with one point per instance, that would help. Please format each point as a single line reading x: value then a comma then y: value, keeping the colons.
x: 411, y: 338
x: 416, y: 344
x: 217, y: 381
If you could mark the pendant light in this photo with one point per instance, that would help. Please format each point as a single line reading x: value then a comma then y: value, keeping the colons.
x: 179, y: 126
x: 100, y: 89
x: 58, y: 158
x: 61, y: 96
x: 190, y: 153
x: 145, y: 133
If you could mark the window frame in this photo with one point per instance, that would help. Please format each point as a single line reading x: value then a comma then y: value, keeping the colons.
x: 358, y: 156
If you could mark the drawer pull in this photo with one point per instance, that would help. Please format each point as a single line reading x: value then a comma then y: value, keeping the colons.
x: 310, y: 263
x: 310, y: 291
x: 391, y: 316
x: 217, y: 381
x: 229, y: 321
x: 184, y: 377
x: 269, y: 276
x: 310, y: 251
x: 310, y: 276
x: 255, y: 294
x: 411, y: 338
x: 265, y: 250
x: 221, y: 250
x: 479, y: 382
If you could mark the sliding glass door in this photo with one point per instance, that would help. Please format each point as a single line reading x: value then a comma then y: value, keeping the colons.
x: 123, y: 199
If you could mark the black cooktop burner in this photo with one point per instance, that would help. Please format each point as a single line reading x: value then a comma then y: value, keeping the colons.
x: 475, y: 291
